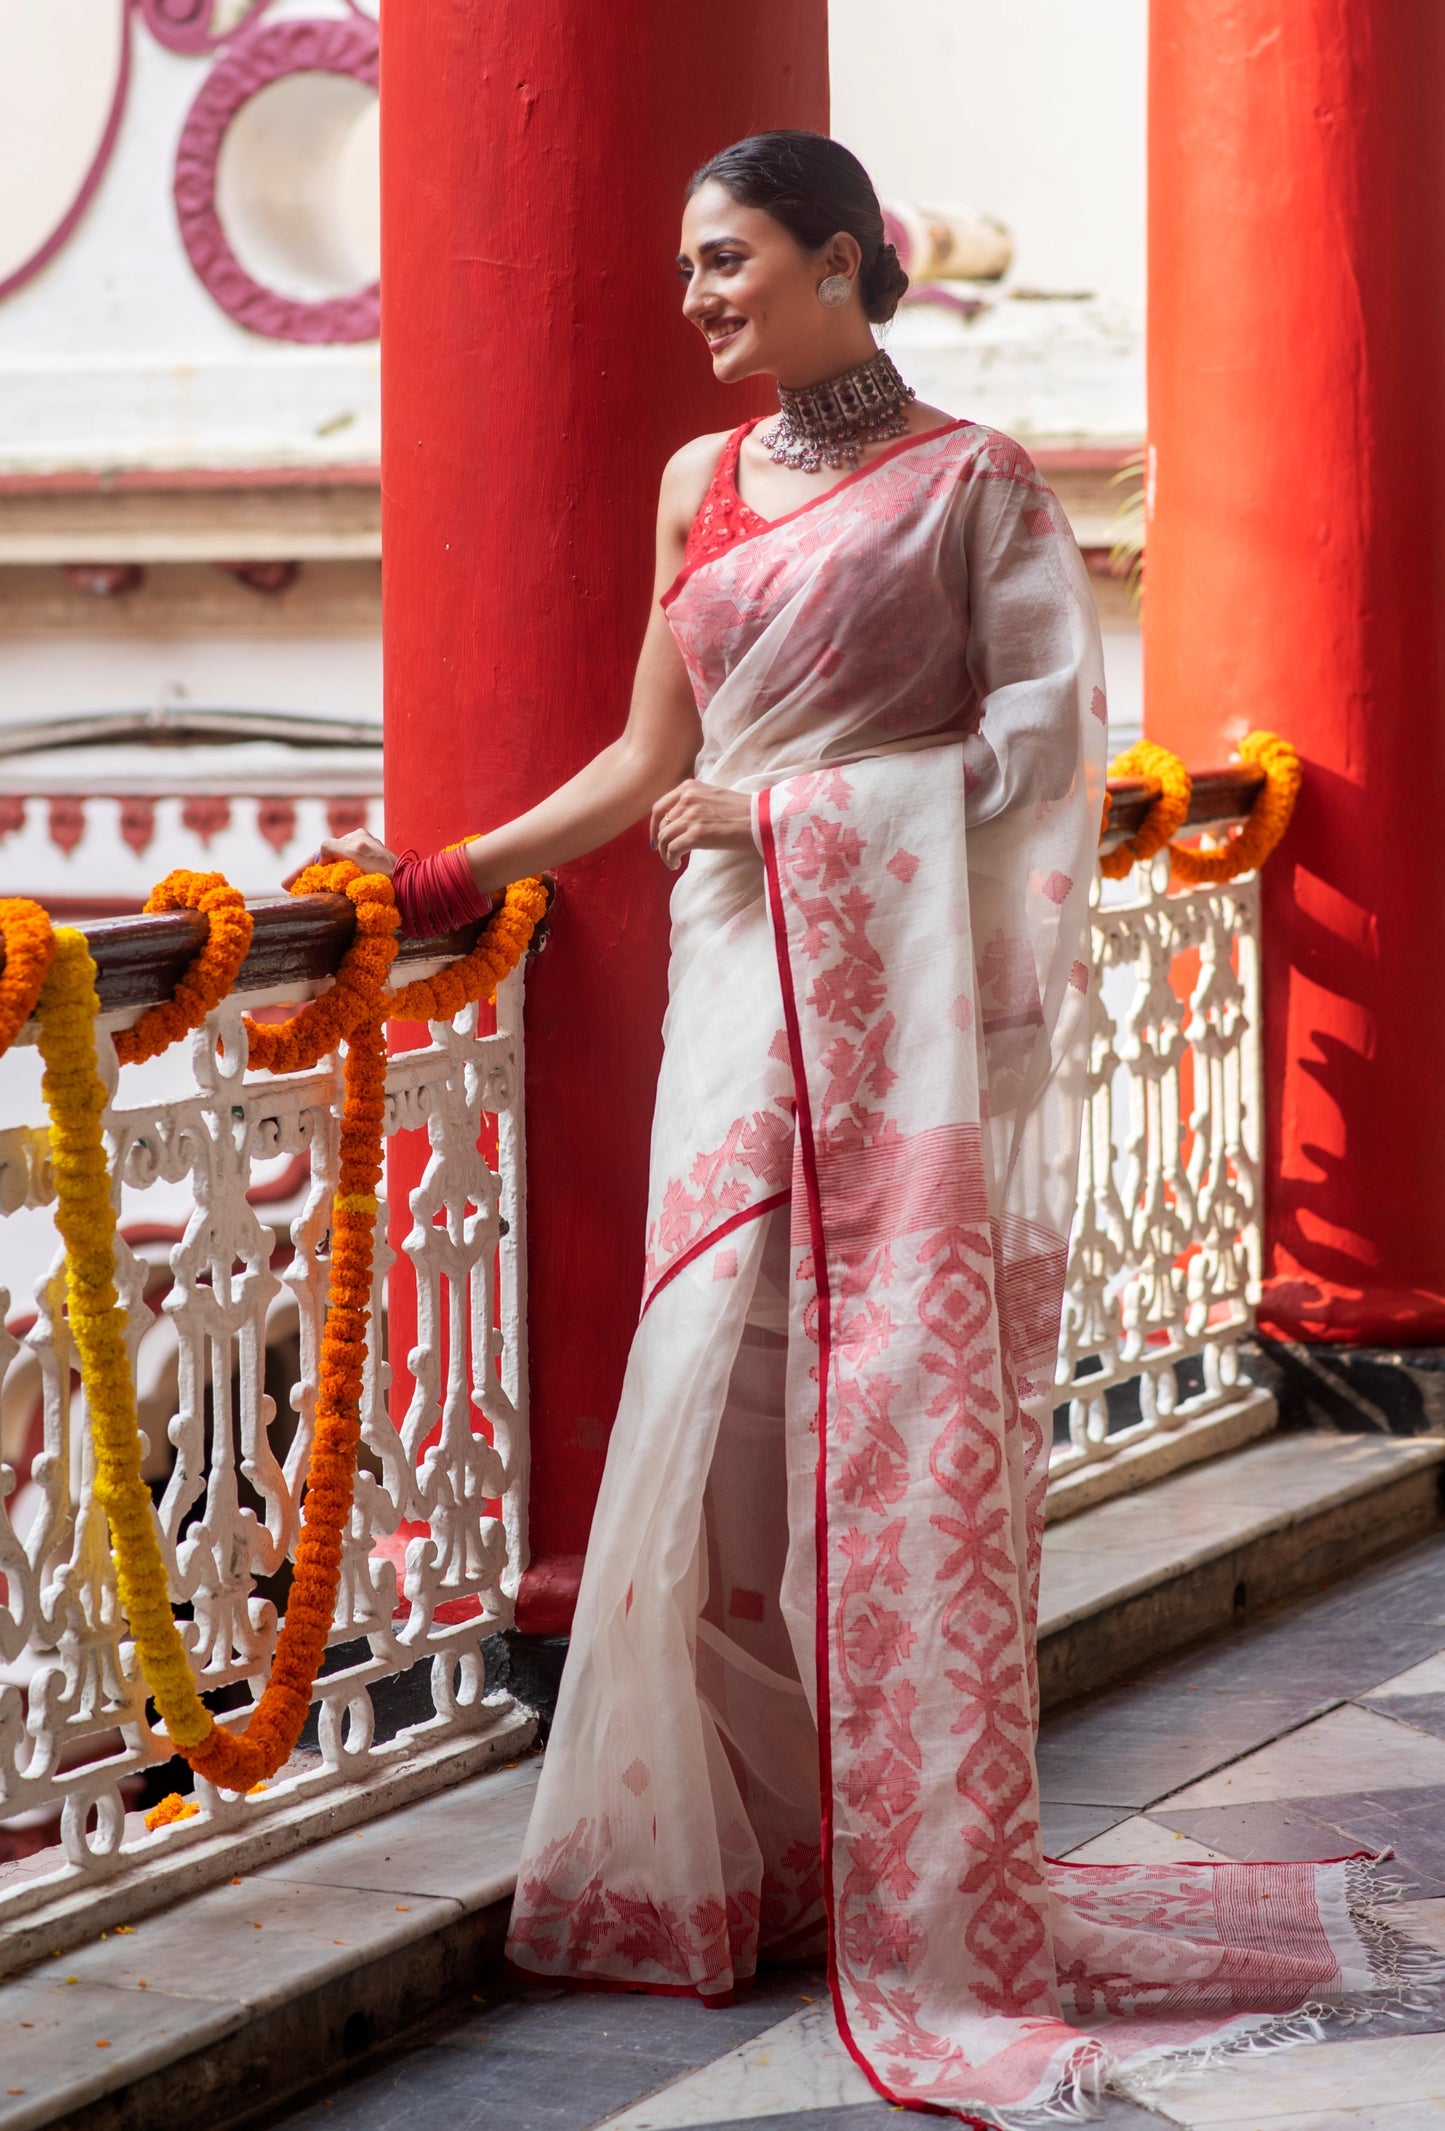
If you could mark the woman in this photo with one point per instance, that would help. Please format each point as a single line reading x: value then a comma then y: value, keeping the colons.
x: 799, y: 1711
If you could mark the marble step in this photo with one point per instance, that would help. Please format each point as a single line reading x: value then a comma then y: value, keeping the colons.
x: 207, y: 2013
x: 1148, y: 1572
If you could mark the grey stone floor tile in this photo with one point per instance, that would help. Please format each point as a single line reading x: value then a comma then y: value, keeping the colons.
x: 477, y: 2087
x: 1309, y: 1649
x: 682, y: 2031
x: 858, y: 2116
x: 546, y: 2060
x: 1425, y: 1711
x: 1411, y: 1822
x: 1125, y: 1749
x: 1114, y: 2115
x: 1066, y: 1825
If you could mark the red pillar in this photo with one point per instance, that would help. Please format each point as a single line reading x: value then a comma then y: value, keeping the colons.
x: 1296, y: 580
x: 536, y: 374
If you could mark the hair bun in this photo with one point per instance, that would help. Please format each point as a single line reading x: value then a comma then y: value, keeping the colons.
x: 884, y: 285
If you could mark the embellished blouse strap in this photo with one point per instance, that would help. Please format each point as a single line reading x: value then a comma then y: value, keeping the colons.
x: 722, y: 517
x: 727, y: 465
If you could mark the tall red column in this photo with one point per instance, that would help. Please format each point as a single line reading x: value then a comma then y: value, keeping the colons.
x: 1296, y: 580
x: 536, y: 374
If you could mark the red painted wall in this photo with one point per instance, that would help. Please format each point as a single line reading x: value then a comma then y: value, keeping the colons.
x: 1296, y: 580
x: 536, y: 373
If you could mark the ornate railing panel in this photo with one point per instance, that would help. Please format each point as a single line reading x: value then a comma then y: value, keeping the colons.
x: 1164, y: 1260
x: 436, y: 1542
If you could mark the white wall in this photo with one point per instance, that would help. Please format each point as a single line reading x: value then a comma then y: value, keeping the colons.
x: 1032, y: 110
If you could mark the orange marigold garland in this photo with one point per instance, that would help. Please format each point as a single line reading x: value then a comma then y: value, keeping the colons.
x: 1269, y: 817
x: 54, y: 975
x: 29, y: 941
x: 359, y: 991
x: 240, y: 1762
x: 210, y: 976
x: 1165, y: 817
x: 503, y: 942
x: 274, y: 1726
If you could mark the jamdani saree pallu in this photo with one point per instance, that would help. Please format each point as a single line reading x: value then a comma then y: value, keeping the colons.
x: 798, y: 1716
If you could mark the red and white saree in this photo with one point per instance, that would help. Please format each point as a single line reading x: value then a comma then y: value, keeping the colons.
x: 800, y: 1705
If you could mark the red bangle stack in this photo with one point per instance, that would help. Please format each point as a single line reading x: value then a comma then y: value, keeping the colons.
x: 437, y: 894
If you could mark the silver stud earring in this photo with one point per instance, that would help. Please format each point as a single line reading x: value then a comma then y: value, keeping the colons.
x: 835, y: 291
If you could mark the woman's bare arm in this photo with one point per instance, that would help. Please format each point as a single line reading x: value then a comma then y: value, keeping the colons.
x: 650, y: 757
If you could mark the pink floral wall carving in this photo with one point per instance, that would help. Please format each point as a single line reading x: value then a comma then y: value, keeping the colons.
x: 186, y: 25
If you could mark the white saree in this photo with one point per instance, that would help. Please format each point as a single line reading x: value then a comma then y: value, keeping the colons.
x: 799, y: 1710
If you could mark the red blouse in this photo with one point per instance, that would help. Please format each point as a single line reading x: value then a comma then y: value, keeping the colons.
x: 722, y: 516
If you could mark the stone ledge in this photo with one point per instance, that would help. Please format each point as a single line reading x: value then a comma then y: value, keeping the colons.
x: 1227, y: 1427
x: 1148, y: 1572
x: 181, y: 1865
x: 229, y: 2002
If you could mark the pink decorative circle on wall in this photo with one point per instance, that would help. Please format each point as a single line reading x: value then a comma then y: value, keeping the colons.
x: 251, y: 64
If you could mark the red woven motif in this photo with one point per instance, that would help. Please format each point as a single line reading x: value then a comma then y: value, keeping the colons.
x: 572, y: 1921
x: 752, y: 1164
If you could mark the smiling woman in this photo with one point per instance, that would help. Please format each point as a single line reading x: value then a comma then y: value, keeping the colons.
x: 799, y: 1710
x: 63, y: 70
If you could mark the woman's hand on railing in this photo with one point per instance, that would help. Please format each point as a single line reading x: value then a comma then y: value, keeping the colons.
x: 357, y: 844
x: 700, y: 817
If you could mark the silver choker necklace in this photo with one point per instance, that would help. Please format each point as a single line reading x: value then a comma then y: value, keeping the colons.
x: 828, y: 424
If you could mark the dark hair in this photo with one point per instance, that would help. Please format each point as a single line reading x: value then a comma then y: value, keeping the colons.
x: 815, y: 187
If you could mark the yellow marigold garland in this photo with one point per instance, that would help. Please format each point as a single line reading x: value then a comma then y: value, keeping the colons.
x: 1269, y: 817
x: 29, y: 941
x: 85, y: 1215
x: 75, y: 1096
x: 210, y: 976
x: 1167, y: 814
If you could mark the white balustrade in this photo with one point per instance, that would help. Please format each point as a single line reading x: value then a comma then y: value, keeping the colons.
x: 1164, y: 1261
x: 436, y: 1542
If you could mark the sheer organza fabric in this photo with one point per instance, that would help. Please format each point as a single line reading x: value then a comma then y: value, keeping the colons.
x: 799, y: 1711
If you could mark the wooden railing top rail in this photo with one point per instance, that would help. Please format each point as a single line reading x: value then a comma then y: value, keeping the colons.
x: 297, y: 940
x: 1218, y: 796
x: 139, y: 960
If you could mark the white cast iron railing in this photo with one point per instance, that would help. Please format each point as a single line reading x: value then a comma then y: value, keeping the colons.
x: 1165, y: 1256
x: 436, y: 1542
x: 1164, y: 1260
